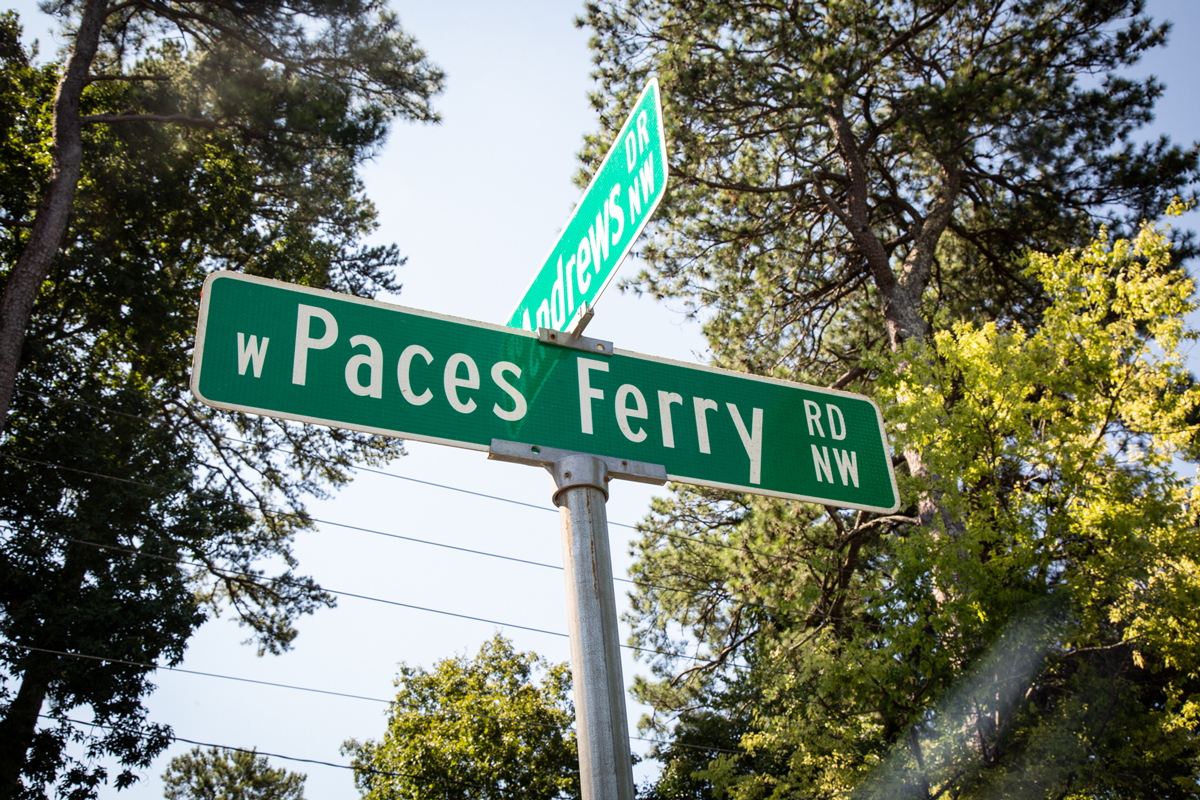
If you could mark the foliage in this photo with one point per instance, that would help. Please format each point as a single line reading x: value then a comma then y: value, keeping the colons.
x: 704, y: 744
x: 480, y: 728
x: 24, y: 128
x: 841, y: 169
x: 1045, y: 644
x: 850, y: 182
x: 140, y: 512
x: 218, y: 774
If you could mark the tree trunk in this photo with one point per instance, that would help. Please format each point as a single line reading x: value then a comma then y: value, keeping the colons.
x: 50, y: 223
x: 900, y: 287
x: 18, y: 725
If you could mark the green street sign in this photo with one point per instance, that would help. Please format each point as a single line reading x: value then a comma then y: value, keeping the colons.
x: 287, y: 351
x: 610, y: 216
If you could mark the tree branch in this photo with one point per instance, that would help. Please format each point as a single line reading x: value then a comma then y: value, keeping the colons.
x: 50, y: 222
x: 130, y: 78
x: 178, y: 119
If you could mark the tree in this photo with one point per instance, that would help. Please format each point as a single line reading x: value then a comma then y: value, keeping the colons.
x: 851, y: 179
x: 1067, y: 442
x: 871, y: 161
x: 219, y: 774
x: 1068, y: 663
x: 1066, y: 666
x: 480, y: 728
x: 821, y: 150
x: 140, y: 513
x: 704, y: 745
x: 264, y: 72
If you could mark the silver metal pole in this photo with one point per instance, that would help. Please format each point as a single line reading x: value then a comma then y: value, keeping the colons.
x: 605, y: 768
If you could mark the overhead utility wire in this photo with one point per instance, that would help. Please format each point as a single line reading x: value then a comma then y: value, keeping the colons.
x: 415, y: 480
x: 293, y: 687
x: 375, y: 532
x: 342, y: 593
x: 151, y: 665
x: 365, y: 530
x: 438, y: 544
x: 222, y: 573
x: 675, y: 536
x: 257, y: 752
x: 357, y: 467
x: 292, y: 514
x: 616, y: 579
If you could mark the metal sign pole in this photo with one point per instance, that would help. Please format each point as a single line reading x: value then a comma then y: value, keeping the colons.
x: 605, y: 768
x: 581, y: 491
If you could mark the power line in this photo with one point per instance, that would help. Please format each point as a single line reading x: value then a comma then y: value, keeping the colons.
x: 438, y: 544
x: 175, y: 738
x: 304, y: 517
x: 152, y: 665
x: 335, y: 591
x: 220, y: 572
x: 375, y: 532
x: 675, y: 536
x: 342, y: 593
x: 406, y: 538
x: 357, y: 467
x: 616, y: 578
x: 311, y: 690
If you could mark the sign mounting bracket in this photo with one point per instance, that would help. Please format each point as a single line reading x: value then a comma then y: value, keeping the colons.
x: 537, y: 456
x: 595, y: 346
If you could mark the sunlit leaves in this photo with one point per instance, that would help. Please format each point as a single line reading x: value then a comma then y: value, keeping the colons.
x: 498, y: 725
x: 1038, y: 637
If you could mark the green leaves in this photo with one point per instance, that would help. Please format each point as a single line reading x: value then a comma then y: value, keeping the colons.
x: 25, y: 92
x: 141, y: 512
x: 855, y: 188
x: 1055, y: 454
x: 1100, y: 387
x: 1035, y: 637
x: 496, y: 726
x: 825, y: 151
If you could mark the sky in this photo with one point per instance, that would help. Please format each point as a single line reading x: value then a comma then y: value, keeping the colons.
x: 475, y: 204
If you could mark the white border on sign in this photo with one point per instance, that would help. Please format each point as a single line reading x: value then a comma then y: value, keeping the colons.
x: 662, y: 143
x: 202, y: 329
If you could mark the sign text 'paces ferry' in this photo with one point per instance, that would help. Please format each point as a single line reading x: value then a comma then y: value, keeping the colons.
x: 293, y: 352
x: 610, y: 216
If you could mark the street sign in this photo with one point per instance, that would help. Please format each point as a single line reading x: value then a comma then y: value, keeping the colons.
x: 293, y: 352
x: 610, y: 216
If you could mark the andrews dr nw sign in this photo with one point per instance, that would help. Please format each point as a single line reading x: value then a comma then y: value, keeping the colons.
x: 288, y: 351
x: 608, y: 219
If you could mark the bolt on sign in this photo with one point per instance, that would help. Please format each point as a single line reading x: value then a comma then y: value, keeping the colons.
x: 287, y: 351
x: 608, y: 219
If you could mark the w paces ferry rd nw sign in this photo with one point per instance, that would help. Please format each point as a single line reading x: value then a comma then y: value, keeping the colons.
x: 293, y: 352
x: 608, y: 219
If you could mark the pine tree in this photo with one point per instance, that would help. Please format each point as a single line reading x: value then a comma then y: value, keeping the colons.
x: 217, y: 774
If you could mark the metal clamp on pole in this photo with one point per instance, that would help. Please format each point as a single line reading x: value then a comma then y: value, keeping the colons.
x: 578, y: 470
x: 538, y: 456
